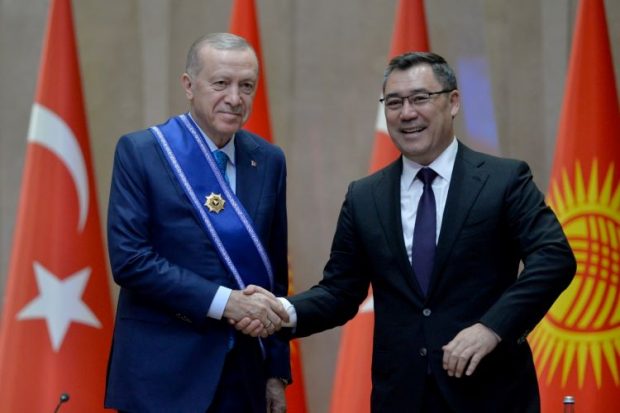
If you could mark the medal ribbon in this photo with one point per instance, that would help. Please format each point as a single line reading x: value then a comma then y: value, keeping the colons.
x: 230, y: 229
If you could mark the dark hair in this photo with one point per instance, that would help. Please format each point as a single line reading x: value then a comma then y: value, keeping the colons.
x: 443, y: 72
x: 219, y: 41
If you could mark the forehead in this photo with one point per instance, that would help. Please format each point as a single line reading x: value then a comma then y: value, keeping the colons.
x: 240, y: 62
x: 420, y: 77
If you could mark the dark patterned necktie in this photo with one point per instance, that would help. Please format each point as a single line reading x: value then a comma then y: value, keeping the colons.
x: 423, y: 249
x: 221, y: 159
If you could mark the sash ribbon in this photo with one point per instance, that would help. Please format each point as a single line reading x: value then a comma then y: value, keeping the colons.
x: 230, y: 230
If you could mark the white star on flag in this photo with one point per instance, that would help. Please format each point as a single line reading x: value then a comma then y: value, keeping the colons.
x: 59, y: 302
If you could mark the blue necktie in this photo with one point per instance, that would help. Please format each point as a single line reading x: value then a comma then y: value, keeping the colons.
x: 423, y: 250
x: 221, y: 159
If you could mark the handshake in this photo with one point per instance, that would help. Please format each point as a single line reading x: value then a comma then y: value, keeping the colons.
x: 255, y: 311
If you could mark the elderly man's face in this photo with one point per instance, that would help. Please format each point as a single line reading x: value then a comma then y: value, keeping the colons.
x: 222, y: 92
x: 421, y: 129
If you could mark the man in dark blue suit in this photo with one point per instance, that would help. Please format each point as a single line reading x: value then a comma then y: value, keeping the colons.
x: 198, y: 211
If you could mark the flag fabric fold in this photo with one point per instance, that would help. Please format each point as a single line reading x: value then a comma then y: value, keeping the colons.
x: 244, y: 23
x: 577, y: 345
x: 352, y: 382
x: 57, y: 317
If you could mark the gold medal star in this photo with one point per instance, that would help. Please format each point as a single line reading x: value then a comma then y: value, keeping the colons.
x: 215, y: 203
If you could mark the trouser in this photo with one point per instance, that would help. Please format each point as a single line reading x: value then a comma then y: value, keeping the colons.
x: 242, y: 384
x: 433, y: 400
x: 241, y: 388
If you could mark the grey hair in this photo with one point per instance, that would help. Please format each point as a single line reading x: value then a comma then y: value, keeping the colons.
x: 219, y: 41
x: 442, y: 71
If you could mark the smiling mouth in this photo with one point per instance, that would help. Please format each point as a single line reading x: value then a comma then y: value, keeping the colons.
x: 231, y: 114
x: 416, y: 129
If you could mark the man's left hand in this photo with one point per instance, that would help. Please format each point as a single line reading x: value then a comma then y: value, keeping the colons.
x: 276, y: 400
x: 467, y: 349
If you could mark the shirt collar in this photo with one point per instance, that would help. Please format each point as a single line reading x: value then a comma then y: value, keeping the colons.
x: 443, y: 164
x: 228, y: 149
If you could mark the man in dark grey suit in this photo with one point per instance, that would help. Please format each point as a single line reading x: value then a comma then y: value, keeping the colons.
x: 440, y: 234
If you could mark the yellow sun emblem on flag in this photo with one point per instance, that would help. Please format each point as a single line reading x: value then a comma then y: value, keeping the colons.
x: 581, y: 331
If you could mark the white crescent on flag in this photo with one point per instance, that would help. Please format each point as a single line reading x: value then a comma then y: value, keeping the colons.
x: 368, y: 306
x: 51, y: 131
x: 381, y: 125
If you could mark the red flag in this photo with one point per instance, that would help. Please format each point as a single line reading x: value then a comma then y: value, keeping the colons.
x: 352, y: 383
x: 577, y: 345
x: 244, y: 23
x: 57, y: 317
x: 409, y: 35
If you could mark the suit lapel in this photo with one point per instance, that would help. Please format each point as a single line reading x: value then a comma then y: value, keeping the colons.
x: 468, y: 178
x: 387, y: 203
x: 251, y: 170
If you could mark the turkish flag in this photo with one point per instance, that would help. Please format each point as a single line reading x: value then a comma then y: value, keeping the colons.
x: 57, y: 317
x: 410, y: 35
x: 352, y: 382
x: 244, y: 23
x: 577, y: 345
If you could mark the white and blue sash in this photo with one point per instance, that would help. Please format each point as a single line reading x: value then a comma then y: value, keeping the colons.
x: 231, y: 229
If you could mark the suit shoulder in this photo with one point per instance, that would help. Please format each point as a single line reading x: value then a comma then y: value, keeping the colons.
x: 492, y: 161
x: 138, y: 139
x: 137, y: 150
x: 392, y: 170
x: 256, y: 141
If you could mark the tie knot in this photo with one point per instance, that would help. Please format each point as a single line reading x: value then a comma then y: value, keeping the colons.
x: 426, y: 175
x: 221, y: 159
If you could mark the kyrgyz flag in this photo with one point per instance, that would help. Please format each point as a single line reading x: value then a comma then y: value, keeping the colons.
x: 57, y: 315
x: 244, y: 23
x: 352, y: 383
x: 577, y: 345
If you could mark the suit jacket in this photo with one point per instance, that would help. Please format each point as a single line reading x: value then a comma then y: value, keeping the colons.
x: 167, y: 356
x: 494, y: 218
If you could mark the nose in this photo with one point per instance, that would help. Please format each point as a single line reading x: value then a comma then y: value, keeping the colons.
x: 233, y: 97
x: 408, y: 111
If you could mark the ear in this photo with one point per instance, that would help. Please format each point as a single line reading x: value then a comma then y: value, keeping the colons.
x: 455, y: 102
x: 186, y: 82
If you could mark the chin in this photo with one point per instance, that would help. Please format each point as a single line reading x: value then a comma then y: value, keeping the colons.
x: 229, y: 129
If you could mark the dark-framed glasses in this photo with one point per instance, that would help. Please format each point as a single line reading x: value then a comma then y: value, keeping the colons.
x: 417, y: 99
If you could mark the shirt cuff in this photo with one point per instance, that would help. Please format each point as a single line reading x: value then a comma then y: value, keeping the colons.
x: 216, y: 309
x: 292, y: 314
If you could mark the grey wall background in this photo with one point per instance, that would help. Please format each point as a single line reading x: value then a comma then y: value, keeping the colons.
x: 324, y: 61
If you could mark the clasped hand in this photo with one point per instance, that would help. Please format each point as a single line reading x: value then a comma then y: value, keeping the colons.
x: 255, y: 311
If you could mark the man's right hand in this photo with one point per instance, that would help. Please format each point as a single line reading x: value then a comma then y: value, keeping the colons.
x: 261, y: 312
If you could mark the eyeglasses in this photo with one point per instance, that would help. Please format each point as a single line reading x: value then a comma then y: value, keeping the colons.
x: 416, y: 99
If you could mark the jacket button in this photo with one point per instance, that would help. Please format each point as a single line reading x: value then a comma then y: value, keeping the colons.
x: 426, y: 312
x: 423, y: 351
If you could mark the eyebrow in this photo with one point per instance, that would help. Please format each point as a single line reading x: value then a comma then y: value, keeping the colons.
x: 411, y: 92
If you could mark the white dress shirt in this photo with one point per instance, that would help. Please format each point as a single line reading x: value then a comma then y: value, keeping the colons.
x: 411, y: 191
x: 410, y: 194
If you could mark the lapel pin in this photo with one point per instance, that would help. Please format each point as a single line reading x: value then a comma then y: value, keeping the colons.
x: 253, y: 163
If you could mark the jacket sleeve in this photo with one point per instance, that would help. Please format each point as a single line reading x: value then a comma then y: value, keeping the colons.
x: 278, y: 347
x: 137, y: 263
x: 346, y: 277
x: 548, y: 261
